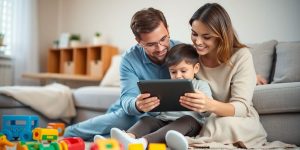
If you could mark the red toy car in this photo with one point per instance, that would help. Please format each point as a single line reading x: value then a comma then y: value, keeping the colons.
x: 72, y: 143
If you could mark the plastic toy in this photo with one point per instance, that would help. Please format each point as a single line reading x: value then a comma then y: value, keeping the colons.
x: 37, y: 146
x: 19, y: 126
x: 135, y: 147
x: 40, y: 134
x: 4, y: 142
x: 72, y: 143
x: 157, y: 146
x: 107, y: 144
x: 59, y: 126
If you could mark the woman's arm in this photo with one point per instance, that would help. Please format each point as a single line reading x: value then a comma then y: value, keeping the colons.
x: 241, y: 84
x: 199, y: 102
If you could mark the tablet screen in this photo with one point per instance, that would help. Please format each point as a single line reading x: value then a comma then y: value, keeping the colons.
x: 168, y: 91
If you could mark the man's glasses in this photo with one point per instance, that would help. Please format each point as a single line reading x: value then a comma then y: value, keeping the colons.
x: 164, y: 41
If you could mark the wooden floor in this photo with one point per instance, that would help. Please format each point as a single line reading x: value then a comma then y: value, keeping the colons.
x: 88, y: 144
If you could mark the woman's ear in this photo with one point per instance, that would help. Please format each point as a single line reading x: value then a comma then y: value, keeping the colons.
x: 196, y: 68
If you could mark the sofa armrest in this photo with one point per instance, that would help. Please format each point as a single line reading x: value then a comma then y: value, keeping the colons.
x: 95, y: 97
x: 277, y: 98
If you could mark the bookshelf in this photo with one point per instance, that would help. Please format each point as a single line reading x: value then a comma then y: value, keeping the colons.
x: 84, y: 63
x: 91, y: 61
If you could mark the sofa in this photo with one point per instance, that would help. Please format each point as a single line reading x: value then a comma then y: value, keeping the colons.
x: 277, y: 102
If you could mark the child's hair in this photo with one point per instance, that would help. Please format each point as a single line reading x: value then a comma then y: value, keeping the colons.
x: 182, y: 52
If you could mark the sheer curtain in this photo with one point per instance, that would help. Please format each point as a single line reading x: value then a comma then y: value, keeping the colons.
x: 24, y: 39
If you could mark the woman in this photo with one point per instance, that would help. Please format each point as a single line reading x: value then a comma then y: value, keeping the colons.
x: 227, y: 65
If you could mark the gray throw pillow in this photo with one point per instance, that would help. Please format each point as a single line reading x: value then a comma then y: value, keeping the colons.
x: 287, y: 67
x: 263, y: 54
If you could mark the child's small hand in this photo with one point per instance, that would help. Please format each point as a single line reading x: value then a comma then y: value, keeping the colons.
x: 146, y: 103
x: 197, y: 101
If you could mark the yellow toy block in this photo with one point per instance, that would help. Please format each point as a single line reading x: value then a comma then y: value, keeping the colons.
x: 40, y: 134
x: 135, y: 146
x: 157, y: 146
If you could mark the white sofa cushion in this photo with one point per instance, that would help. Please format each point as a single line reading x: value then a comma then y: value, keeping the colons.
x: 95, y: 97
x: 112, y: 76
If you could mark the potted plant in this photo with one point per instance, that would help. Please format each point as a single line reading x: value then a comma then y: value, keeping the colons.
x: 75, y: 40
x: 56, y: 44
x: 98, y: 39
x: 1, y: 39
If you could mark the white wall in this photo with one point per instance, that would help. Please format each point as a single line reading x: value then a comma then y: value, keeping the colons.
x: 48, y: 28
x: 254, y: 20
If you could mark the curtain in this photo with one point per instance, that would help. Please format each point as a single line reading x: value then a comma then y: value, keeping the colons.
x: 5, y: 26
x: 24, y: 40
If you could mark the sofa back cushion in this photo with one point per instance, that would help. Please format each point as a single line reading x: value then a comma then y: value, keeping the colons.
x: 287, y: 68
x: 112, y: 76
x: 263, y: 54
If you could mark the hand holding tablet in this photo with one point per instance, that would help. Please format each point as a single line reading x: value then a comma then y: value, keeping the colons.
x: 168, y: 91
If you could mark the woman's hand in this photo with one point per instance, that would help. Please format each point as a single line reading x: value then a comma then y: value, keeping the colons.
x: 145, y: 103
x: 197, y: 101
x: 260, y: 80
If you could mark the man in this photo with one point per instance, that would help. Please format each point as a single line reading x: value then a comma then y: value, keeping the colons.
x: 143, y: 61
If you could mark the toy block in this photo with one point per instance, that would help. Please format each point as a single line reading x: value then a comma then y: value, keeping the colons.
x: 37, y: 146
x: 135, y: 146
x: 107, y: 144
x: 4, y: 142
x: 157, y: 146
x: 59, y: 126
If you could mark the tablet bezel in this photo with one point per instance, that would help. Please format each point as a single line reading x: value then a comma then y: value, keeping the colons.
x: 168, y: 91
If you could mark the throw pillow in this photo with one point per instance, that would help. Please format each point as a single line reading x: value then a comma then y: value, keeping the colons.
x: 263, y: 54
x: 287, y: 67
x: 112, y: 76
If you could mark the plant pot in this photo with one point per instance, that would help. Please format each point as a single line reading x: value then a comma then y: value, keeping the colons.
x: 74, y: 43
x: 98, y: 40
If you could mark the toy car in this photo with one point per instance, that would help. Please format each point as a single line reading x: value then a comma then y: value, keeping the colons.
x: 72, y: 143
x: 19, y: 127
x: 41, y: 134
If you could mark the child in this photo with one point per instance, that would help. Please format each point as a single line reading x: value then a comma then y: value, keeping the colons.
x: 183, y: 63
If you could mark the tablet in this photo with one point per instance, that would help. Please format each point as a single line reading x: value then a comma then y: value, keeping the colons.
x: 168, y: 91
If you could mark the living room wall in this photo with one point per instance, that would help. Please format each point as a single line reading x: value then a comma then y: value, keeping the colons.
x: 254, y: 20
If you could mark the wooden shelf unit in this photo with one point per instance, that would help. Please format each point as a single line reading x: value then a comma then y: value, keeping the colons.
x: 81, y: 60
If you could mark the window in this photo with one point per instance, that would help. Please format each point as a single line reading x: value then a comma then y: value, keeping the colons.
x: 6, y: 24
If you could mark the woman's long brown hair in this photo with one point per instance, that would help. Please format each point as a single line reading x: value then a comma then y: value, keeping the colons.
x: 215, y: 17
